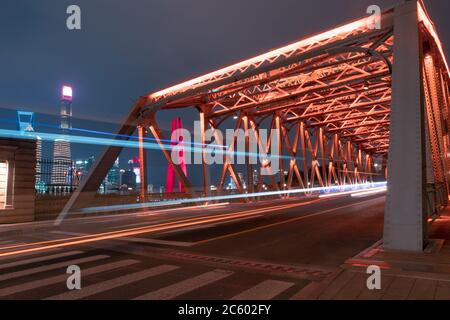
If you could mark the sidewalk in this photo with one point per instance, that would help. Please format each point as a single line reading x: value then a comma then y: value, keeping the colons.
x: 404, y: 275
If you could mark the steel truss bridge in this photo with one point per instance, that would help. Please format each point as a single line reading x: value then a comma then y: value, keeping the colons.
x: 338, y: 100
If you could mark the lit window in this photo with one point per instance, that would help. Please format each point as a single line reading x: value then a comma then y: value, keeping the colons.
x: 3, y: 183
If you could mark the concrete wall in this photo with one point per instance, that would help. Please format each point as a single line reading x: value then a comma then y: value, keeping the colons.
x: 20, y: 201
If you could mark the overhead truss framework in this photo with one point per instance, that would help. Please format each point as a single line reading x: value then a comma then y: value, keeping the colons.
x: 329, y: 96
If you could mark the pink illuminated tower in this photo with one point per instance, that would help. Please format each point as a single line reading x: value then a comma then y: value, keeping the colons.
x: 177, y: 140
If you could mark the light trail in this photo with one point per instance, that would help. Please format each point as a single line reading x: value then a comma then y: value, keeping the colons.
x: 61, y: 243
x: 367, y: 193
x: 350, y: 188
x: 152, y: 213
x: 336, y: 194
x: 355, y: 193
x: 125, y: 143
x: 76, y: 139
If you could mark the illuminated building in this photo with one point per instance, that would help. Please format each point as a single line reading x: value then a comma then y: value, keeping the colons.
x: 61, y: 172
x: 113, y: 177
x: 129, y: 180
x: 243, y: 182
x: 25, y: 123
x: 135, y: 167
x: 231, y: 185
x: 17, y: 183
x: 3, y: 183
x: 255, y: 177
x: 82, y: 167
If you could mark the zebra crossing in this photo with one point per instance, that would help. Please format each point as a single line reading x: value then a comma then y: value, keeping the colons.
x: 34, y: 276
x: 180, y: 288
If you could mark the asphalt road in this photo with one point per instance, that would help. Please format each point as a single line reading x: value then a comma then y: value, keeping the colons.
x: 269, y: 250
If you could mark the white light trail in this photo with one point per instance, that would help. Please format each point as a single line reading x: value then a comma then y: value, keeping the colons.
x: 351, y: 188
x: 369, y: 192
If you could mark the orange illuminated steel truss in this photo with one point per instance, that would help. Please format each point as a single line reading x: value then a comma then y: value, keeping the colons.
x: 328, y: 95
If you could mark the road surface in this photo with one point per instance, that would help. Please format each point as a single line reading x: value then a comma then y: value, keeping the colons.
x: 270, y: 250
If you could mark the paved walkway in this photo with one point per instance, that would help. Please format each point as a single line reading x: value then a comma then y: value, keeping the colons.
x: 404, y: 276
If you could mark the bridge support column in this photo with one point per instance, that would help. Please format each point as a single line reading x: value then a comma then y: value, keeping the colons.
x: 405, y: 212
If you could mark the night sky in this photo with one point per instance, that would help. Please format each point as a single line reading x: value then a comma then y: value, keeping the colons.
x: 129, y: 48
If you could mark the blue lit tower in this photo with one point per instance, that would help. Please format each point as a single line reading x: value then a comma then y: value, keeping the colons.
x: 25, y: 121
x: 62, y: 169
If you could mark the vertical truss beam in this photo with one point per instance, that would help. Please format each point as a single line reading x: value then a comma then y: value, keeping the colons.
x: 227, y: 167
x: 206, y: 180
x: 435, y: 117
x: 142, y: 164
x: 249, y: 166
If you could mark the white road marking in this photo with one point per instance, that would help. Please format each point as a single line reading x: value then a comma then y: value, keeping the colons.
x: 266, y: 290
x: 39, y: 259
x: 114, y: 283
x: 63, y: 277
x: 191, y: 284
x: 49, y: 267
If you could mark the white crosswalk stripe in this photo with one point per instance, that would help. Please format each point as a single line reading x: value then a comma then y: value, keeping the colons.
x: 49, y: 267
x: 265, y: 290
x: 114, y: 283
x: 39, y: 259
x: 63, y: 277
x: 191, y: 284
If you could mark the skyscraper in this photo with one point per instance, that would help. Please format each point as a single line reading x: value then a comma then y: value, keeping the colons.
x: 113, y: 177
x: 25, y: 123
x: 61, y: 172
x: 82, y: 167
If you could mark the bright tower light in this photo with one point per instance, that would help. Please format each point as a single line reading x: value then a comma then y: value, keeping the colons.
x: 67, y: 92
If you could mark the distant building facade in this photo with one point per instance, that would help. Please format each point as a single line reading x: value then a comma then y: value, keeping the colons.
x: 17, y: 180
